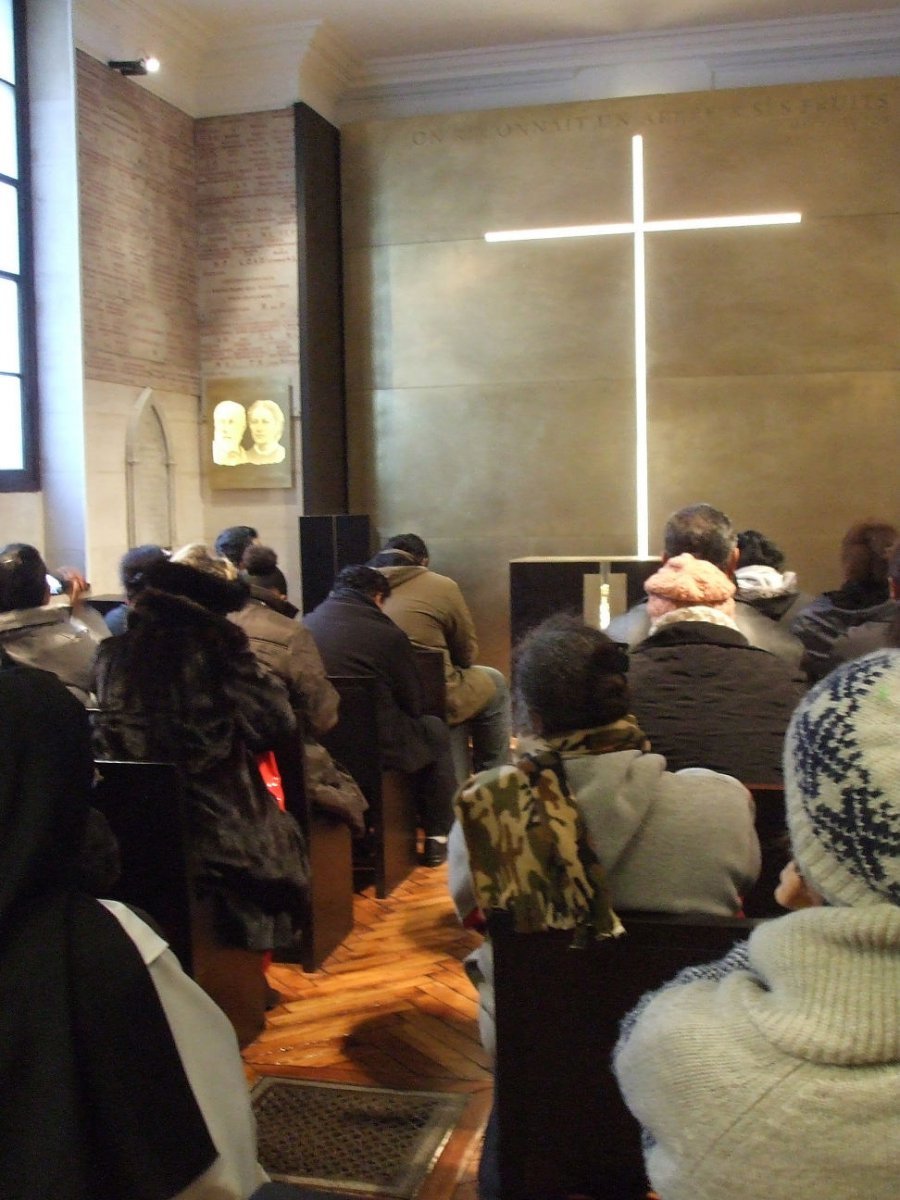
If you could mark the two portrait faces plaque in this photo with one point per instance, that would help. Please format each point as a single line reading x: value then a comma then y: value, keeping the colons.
x: 247, y: 439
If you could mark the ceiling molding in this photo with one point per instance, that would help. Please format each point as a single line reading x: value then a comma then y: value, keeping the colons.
x: 214, y: 71
x: 625, y: 64
x: 831, y: 33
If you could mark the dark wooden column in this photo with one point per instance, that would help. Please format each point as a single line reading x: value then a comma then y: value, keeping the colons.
x: 320, y: 268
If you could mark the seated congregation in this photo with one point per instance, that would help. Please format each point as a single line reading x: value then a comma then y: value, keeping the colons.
x: 626, y: 799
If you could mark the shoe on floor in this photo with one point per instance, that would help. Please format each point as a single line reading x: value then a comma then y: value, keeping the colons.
x: 435, y: 851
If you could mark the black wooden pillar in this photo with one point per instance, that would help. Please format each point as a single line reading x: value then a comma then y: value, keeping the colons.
x: 320, y: 269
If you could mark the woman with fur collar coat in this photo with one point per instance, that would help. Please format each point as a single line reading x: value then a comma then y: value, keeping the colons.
x: 182, y: 685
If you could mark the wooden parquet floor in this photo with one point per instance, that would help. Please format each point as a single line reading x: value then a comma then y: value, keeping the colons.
x: 392, y: 1007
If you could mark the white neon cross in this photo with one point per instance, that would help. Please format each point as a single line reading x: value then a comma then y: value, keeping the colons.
x: 638, y: 227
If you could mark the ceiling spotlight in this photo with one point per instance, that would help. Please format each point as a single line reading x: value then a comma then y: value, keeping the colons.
x: 134, y: 66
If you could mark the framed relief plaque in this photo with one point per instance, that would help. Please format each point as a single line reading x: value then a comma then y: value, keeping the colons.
x: 247, y: 432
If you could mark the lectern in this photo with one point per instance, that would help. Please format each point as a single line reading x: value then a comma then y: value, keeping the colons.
x: 540, y: 587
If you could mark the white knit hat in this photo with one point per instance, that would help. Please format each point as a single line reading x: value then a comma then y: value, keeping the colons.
x: 842, y: 782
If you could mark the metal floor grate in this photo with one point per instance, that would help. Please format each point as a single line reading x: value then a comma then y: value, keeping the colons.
x: 358, y: 1139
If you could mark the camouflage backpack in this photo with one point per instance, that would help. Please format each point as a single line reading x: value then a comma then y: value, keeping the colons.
x: 529, y: 851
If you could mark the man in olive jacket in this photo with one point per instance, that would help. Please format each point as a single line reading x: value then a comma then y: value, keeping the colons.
x: 431, y: 611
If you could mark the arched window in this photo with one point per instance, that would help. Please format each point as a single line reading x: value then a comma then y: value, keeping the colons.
x: 18, y: 424
x: 149, y: 471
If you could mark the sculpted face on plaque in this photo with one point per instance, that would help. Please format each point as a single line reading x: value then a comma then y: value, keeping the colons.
x: 266, y: 421
x: 229, y: 424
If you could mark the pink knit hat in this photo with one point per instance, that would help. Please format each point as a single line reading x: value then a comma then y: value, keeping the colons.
x: 686, y: 582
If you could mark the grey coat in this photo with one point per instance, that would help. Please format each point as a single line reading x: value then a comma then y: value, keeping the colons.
x: 47, y: 637
x: 668, y: 842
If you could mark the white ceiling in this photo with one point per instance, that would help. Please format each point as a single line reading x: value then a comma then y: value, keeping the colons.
x: 391, y: 28
x: 354, y: 59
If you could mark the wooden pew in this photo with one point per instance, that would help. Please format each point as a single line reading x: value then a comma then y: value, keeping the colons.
x: 144, y: 805
x: 771, y: 829
x: 105, y: 604
x: 562, y: 1125
x: 329, y: 914
x: 430, y: 666
x: 392, y: 804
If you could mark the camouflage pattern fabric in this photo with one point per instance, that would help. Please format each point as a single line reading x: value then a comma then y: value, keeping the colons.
x: 624, y: 734
x: 529, y: 852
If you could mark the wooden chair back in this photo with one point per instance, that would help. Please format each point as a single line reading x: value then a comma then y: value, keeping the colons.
x: 329, y: 914
x: 430, y: 666
x: 392, y: 807
x: 563, y: 1126
x: 771, y: 829
x: 104, y: 604
x: 144, y: 805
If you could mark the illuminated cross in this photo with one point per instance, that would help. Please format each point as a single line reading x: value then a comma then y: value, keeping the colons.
x: 637, y: 226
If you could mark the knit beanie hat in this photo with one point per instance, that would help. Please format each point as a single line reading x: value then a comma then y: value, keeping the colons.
x: 842, y: 782
x: 684, y: 582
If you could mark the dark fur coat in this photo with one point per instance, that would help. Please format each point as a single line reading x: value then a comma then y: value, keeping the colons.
x: 182, y: 685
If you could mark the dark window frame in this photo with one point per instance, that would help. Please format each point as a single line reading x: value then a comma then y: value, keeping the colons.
x: 27, y: 479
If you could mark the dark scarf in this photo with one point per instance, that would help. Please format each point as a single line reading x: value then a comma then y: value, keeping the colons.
x: 96, y: 1105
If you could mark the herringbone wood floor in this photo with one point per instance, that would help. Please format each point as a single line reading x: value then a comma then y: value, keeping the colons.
x: 391, y: 1007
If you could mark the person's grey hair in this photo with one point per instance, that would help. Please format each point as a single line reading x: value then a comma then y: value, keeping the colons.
x: 703, y: 531
x: 197, y: 555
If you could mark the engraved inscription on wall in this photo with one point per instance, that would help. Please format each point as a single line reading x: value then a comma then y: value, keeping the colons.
x: 248, y: 242
x: 138, y: 234
x: 869, y: 105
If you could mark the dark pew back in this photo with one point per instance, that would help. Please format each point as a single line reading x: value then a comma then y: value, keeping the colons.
x: 329, y: 913
x: 771, y: 829
x: 563, y: 1127
x: 392, y: 808
x: 430, y: 666
x: 143, y: 803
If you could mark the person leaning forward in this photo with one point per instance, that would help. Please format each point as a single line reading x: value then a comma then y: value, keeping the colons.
x: 355, y: 637
x: 431, y: 610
